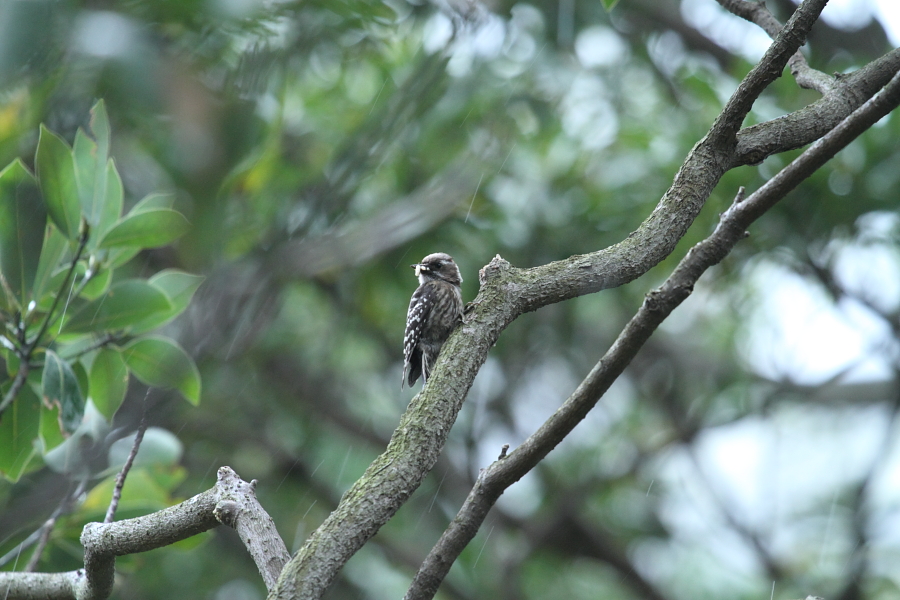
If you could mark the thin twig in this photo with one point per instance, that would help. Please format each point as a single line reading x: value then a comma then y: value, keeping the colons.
x: 104, y: 340
x: 46, y: 529
x: 49, y: 319
x: 120, y: 478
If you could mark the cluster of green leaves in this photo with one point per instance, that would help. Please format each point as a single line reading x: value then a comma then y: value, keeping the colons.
x: 72, y: 331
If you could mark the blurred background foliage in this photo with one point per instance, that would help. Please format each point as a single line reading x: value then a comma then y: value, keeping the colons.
x: 318, y: 148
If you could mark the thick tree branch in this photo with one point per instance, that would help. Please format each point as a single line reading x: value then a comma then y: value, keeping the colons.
x: 808, y: 124
x: 657, y: 305
x: 231, y: 501
x: 394, y: 476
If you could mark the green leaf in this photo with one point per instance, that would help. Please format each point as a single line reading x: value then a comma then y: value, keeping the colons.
x: 54, y: 285
x: 98, y: 285
x: 609, y: 4
x: 73, y: 456
x: 18, y: 430
x: 159, y: 448
x: 84, y: 155
x: 108, y: 381
x: 51, y: 434
x: 113, y: 201
x: 120, y: 256
x: 52, y: 252
x: 160, y: 362
x: 154, y: 201
x: 99, y: 185
x: 124, y: 304
x: 22, y: 222
x: 179, y: 288
x: 56, y: 173
x: 101, y: 130
x: 146, y: 229
x: 12, y: 364
x: 60, y: 386
x: 81, y: 375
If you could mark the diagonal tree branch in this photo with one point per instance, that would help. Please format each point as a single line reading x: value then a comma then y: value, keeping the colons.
x: 507, y: 293
x: 657, y: 305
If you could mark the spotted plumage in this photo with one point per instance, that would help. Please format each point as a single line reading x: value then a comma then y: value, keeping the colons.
x: 434, y: 311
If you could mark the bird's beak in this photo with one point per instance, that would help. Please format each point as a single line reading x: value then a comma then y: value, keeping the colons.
x: 418, y: 268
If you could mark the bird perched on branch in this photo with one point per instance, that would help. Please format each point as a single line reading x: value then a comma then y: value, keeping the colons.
x: 434, y: 311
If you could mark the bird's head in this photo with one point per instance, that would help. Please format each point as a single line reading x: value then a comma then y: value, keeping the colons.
x: 437, y: 266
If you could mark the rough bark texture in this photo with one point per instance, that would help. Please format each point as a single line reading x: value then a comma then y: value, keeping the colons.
x: 238, y: 507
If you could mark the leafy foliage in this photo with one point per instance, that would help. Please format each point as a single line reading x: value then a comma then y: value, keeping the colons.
x: 72, y: 326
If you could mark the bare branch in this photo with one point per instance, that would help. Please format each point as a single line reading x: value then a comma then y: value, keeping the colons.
x: 40, y: 586
x: 241, y: 510
x: 44, y: 536
x: 657, y: 305
x: 808, y: 124
x: 120, y: 478
x: 757, y: 13
x: 231, y: 499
